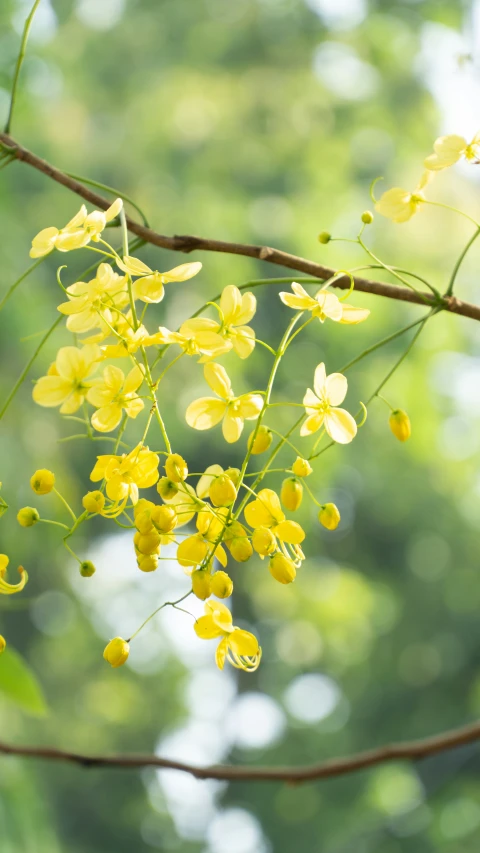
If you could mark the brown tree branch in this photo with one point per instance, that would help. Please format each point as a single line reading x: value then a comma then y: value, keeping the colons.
x: 409, y: 750
x: 189, y: 243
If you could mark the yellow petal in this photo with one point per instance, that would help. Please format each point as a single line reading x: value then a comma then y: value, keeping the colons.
x: 114, y: 209
x: 250, y: 406
x: 51, y: 390
x: 319, y: 380
x: 134, y: 379
x: 182, y: 272
x: 290, y: 532
x: 312, y: 424
x: 107, y: 418
x: 206, y: 479
x: 336, y: 388
x: 243, y: 643
x: 340, y: 426
x: 206, y: 629
x: 133, y: 266
x: 230, y: 303
x: 217, y: 378
x: 352, y: 315
x: 232, y: 426
x: 396, y: 204
x: 448, y: 150
x: 205, y: 413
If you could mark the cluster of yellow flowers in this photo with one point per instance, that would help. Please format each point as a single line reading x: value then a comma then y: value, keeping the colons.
x: 233, y: 516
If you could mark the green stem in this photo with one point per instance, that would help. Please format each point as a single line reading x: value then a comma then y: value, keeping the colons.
x: 457, y: 266
x: 111, y: 190
x: 397, y: 275
x: 14, y: 286
x: 18, y: 67
x: 28, y: 366
x: 165, y: 604
x: 66, y: 505
x: 380, y: 344
x: 401, y: 359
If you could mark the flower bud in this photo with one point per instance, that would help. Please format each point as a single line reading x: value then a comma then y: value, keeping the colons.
x: 301, y: 467
x: 116, y: 652
x: 93, y: 501
x: 87, y: 569
x: 143, y: 521
x: 166, y: 488
x: 3, y: 644
x: 324, y: 237
x: 221, y: 585
x: 147, y: 543
x: 176, y: 468
x: 234, y: 474
x: 367, y: 217
x: 42, y: 481
x: 201, y: 584
x: 222, y: 491
x: 282, y: 569
x: 147, y: 562
x: 262, y: 442
x: 329, y: 516
x: 164, y: 518
x: 400, y: 425
x: 264, y: 542
x: 291, y: 493
x: 28, y: 516
x: 241, y: 549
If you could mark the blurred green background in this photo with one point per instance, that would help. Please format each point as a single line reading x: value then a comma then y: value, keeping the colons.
x: 263, y: 121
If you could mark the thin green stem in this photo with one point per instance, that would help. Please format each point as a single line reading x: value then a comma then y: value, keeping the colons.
x: 14, y: 286
x: 18, y: 66
x: 162, y: 606
x: 28, y: 366
x: 56, y: 523
x: 402, y: 357
x: 66, y: 505
x: 380, y: 344
x: 111, y: 190
x: 459, y: 262
x: 396, y: 275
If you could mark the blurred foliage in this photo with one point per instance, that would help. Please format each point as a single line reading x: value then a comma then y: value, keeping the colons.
x: 263, y: 121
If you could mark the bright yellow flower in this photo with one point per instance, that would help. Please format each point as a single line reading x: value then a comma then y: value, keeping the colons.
x: 113, y: 395
x: 126, y: 474
x: 206, y: 412
x: 266, y: 511
x: 184, y: 501
x: 128, y: 339
x: 400, y: 424
x: 400, y: 205
x: 237, y: 309
x: 301, y: 467
x: 329, y: 516
x: 104, y: 295
x: 322, y: 407
x: 77, y: 233
x: 207, y: 478
x: 323, y: 305
x: 43, y: 481
x: 149, y: 286
x: 450, y: 149
x: 116, y: 652
x: 195, y: 337
x: 69, y: 378
x: 195, y: 549
x: 10, y: 588
x: 238, y: 647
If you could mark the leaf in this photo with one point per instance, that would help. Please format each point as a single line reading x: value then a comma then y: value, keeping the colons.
x: 19, y: 684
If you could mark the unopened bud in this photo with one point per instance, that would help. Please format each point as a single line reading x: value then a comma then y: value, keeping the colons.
x: 262, y: 441
x: 222, y: 491
x: 143, y: 521
x: 241, y: 549
x: 282, y: 569
x: 221, y: 585
x: 324, y: 237
x: 301, y: 467
x: 234, y: 474
x: 164, y: 518
x: 291, y: 494
x: 93, y: 501
x: 116, y: 652
x: 367, y: 217
x: 28, y: 516
x: 201, y: 584
x: 42, y: 481
x: 147, y: 562
x: 400, y: 424
x: 166, y: 488
x: 147, y: 543
x: 87, y: 569
x: 176, y: 468
x: 264, y: 542
x: 329, y: 516
x: 3, y: 644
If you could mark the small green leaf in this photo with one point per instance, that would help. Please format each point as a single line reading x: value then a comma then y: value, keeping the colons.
x: 19, y: 684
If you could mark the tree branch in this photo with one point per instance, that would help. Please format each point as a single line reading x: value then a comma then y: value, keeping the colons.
x: 190, y: 243
x: 409, y: 750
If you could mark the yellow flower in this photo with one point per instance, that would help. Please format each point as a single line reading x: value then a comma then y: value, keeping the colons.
x: 261, y: 442
x: 128, y: 339
x: 206, y: 412
x: 238, y: 647
x: 282, y: 569
x: 3, y: 644
x: 450, y: 149
x: 400, y: 205
x: 329, y: 516
x: 400, y: 424
x: 93, y: 501
x: 183, y: 500
x: 149, y: 286
x: 69, y: 378
x: 207, y: 478
x: 301, y: 467
x: 195, y: 337
x: 323, y: 305
x: 126, y: 474
x: 88, y: 302
x: 43, y: 481
x: 116, y: 652
x: 221, y: 585
x: 10, y: 588
x: 266, y: 512
x: 77, y: 233
x: 237, y: 309
x: 28, y: 516
x: 113, y: 395
x: 321, y: 407
x: 291, y: 494
x: 176, y: 468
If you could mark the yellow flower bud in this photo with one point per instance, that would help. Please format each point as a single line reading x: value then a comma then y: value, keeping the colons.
x: 221, y: 585
x: 282, y: 569
x: 93, y: 501
x: 176, y: 468
x: 143, y: 521
x: 201, y: 584
x: 263, y: 440
x: 116, y: 652
x: 166, y: 488
x: 329, y: 516
x: 400, y: 425
x: 147, y: 543
x: 222, y: 491
x: 367, y: 217
x: 240, y: 549
x: 3, y: 644
x: 324, y: 237
x: 234, y: 474
x: 87, y: 569
x: 28, y: 516
x: 147, y: 562
x: 264, y: 542
x: 301, y: 467
x: 164, y: 518
x: 291, y: 494
x: 42, y: 481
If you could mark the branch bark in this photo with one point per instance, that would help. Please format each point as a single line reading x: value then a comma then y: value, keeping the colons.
x: 409, y: 750
x: 188, y: 243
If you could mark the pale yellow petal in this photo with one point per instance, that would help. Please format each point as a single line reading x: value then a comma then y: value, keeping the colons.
x: 232, y: 427
x: 311, y: 425
x: 340, y: 426
x: 336, y: 386
x: 205, y: 413
x: 107, y: 418
x: 51, y: 390
x: 217, y: 378
x: 182, y: 272
x: 351, y: 315
x: 319, y: 380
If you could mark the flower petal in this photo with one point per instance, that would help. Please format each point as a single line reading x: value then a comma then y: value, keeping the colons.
x: 312, y: 424
x: 340, y: 426
x: 353, y: 315
x: 336, y: 386
x: 217, y: 378
x: 107, y: 418
x: 232, y: 427
x: 319, y: 380
x: 205, y: 412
